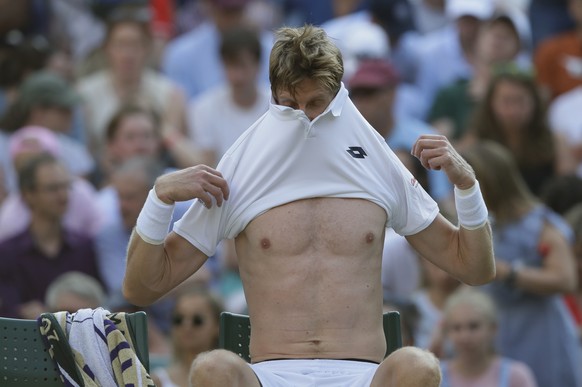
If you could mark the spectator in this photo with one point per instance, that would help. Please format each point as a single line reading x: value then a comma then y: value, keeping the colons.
x: 512, y: 113
x: 499, y: 41
x: 45, y: 99
x: 558, y: 59
x: 195, y: 328
x: 470, y: 324
x: 32, y: 259
x: 136, y: 131
x: 447, y: 54
x: 82, y: 213
x: 220, y: 115
x: 193, y: 60
x: 372, y: 88
x: 72, y: 291
x: 127, y: 79
x: 535, y: 267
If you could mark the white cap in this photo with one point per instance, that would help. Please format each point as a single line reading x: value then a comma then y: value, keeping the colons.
x: 365, y: 40
x: 481, y: 9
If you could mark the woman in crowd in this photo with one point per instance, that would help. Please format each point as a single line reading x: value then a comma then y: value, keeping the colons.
x: 195, y: 328
x: 535, y: 268
x: 512, y: 114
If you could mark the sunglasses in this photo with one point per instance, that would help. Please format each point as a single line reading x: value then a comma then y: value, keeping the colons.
x: 196, y: 320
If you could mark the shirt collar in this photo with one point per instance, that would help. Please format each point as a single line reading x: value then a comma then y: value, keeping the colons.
x: 335, y: 106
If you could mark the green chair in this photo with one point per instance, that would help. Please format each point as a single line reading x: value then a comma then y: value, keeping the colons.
x: 25, y: 362
x: 235, y: 333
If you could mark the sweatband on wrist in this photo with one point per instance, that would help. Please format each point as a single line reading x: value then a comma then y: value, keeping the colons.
x: 154, y: 219
x: 471, y: 208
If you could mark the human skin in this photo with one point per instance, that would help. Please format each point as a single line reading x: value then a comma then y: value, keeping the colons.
x: 310, y: 268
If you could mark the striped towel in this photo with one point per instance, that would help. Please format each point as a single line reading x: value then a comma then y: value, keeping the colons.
x: 91, y: 348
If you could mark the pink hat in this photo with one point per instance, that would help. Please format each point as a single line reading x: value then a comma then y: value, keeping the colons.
x: 374, y: 74
x: 33, y: 139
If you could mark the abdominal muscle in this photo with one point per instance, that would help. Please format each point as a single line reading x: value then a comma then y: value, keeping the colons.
x: 311, y: 273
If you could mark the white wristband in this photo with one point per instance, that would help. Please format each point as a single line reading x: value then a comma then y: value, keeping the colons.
x: 471, y: 208
x: 154, y: 219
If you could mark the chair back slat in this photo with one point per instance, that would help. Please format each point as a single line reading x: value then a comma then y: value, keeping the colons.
x: 235, y: 333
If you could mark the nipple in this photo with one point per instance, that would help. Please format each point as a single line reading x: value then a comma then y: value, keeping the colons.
x: 369, y: 237
x: 265, y: 243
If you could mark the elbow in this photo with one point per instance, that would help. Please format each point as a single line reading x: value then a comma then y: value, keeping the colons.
x: 135, y: 296
x: 481, y: 276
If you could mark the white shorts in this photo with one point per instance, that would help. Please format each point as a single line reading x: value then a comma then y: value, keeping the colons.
x: 315, y: 373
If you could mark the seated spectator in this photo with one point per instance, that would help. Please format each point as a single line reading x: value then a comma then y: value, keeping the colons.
x: 137, y: 131
x: 32, y: 259
x: 220, y: 115
x: 447, y: 54
x: 195, y: 328
x: 499, y: 41
x: 558, y: 59
x: 46, y: 100
x: 512, y: 114
x: 193, y: 61
x: 535, y: 268
x: 72, y: 291
x: 82, y: 213
x: 470, y: 324
x: 126, y: 79
x: 372, y: 89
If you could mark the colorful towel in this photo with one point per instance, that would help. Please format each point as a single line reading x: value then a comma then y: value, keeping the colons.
x: 93, y: 347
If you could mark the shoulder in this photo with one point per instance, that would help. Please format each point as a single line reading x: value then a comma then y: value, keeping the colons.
x: 88, y: 83
x: 557, y: 43
x: 15, y: 244
x: 519, y: 373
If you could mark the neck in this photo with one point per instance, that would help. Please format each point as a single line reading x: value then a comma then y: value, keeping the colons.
x: 47, y: 234
x: 473, y: 365
x: 245, y: 97
x: 126, y: 86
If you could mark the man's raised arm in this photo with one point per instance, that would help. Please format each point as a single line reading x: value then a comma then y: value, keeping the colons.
x: 157, y: 262
x: 465, y: 252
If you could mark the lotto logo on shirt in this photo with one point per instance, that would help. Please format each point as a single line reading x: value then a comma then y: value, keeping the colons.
x: 413, y: 182
x: 357, y: 152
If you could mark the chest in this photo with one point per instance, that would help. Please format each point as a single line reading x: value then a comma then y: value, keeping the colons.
x: 333, y: 225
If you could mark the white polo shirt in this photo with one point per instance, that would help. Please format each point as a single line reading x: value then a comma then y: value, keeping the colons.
x: 284, y: 157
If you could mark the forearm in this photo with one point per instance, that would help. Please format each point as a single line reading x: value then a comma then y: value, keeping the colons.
x: 476, y: 262
x: 542, y: 282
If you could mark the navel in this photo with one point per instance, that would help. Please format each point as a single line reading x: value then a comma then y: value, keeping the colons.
x: 370, y: 237
x: 265, y: 243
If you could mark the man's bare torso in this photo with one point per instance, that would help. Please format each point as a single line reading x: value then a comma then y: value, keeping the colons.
x: 311, y: 271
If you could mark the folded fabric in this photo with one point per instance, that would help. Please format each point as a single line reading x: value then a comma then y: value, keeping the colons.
x: 93, y: 347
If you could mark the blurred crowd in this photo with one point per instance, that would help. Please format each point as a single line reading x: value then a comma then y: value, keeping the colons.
x: 100, y: 97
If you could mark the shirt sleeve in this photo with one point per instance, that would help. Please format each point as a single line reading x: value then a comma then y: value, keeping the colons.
x: 412, y: 208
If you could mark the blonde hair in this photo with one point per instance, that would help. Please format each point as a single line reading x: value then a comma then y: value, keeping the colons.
x: 301, y: 53
x: 475, y: 298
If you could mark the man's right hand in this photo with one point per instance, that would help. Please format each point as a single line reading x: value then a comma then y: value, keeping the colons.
x: 198, y: 182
